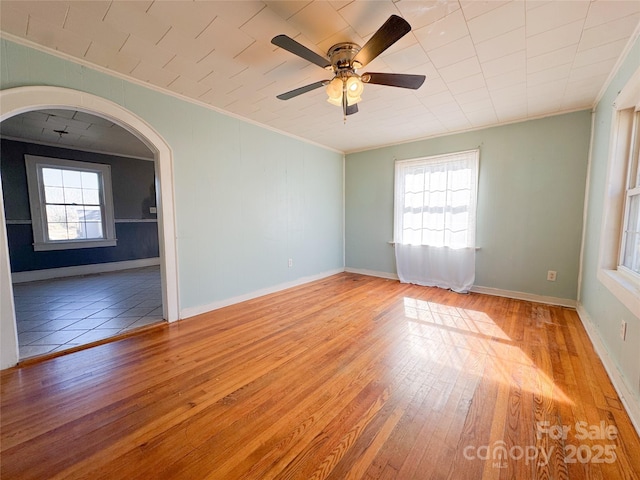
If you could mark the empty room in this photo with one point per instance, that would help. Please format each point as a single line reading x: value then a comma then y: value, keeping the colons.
x: 360, y: 239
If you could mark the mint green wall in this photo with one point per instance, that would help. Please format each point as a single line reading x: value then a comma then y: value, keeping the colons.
x: 530, y: 202
x: 604, y: 310
x: 246, y: 199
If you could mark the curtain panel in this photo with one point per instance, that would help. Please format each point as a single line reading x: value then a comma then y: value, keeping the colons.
x: 435, y: 220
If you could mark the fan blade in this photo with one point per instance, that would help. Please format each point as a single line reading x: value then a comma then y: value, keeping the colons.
x: 394, y: 79
x: 301, y: 90
x: 351, y: 109
x: 300, y: 50
x: 393, y: 30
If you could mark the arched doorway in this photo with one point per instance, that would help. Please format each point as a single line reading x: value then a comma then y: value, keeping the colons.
x: 23, y: 99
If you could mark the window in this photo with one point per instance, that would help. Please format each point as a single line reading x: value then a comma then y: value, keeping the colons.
x: 71, y: 204
x: 619, y: 257
x: 630, y: 244
x: 435, y: 200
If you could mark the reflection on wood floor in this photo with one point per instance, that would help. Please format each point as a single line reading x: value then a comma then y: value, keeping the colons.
x: 347, y: 377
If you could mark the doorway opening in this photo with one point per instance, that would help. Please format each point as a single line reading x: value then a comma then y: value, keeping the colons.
x: 33, y: 101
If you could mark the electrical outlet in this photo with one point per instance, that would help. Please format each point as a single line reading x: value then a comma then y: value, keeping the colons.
x: 290, y: 262
x: 623, y: 330
x: 551, y: 275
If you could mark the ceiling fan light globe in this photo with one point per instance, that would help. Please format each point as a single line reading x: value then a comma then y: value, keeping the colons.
x: 354, y: 86
x: 335, y: 101
x: 334, y: 89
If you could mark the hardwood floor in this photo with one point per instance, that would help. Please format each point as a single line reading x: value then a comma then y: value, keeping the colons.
x: 348, y: 377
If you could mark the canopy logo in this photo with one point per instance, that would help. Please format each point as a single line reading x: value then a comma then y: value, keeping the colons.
x: 499, y: 453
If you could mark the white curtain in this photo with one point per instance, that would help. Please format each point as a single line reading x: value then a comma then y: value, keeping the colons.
x: 435, y: 220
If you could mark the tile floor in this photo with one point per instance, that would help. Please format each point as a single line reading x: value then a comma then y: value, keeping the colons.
x: 58, y: 314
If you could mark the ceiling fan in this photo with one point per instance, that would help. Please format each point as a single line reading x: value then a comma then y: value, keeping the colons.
x: 344, y: 59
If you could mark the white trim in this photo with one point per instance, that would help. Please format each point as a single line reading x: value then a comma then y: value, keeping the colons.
x: 49, y: 273
x: 73, y: 147
x: 193, y: 311
x: 498, y: 292
x: 14, y: 101
x: 530, y: 297
x: 623, y: 287
x: 372, y: 273
x: 618, y: 379
x: 150, y: 86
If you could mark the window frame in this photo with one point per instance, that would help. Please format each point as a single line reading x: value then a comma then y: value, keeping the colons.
x: 34, y: 165
x: 622, y: 282
x: 431, y: 160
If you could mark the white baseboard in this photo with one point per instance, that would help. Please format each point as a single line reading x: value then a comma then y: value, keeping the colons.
x: 563, y: 302
x: 35, y: 275
x: 372, y: 273
x: 498, y: 292
x: 193, y: 311
x: 629, y: 400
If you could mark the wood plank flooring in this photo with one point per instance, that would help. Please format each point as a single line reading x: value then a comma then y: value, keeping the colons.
x: 350, y: 377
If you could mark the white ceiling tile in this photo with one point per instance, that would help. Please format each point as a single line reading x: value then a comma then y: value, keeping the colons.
x: 481, y: 118
x: 195, y: 71
x: 225, y: 39
x: 111, y: 58
x: 453, y: 52
x: 514, y: 77
x: 90, y: 27
x: 440, y: 98
x: 152, y: 74
x: 498, y: 21
x: 466, y: 84
x: 475, y: 8
x: 187, y: 87
x: 608, y: 32
x: 286, y: 8
x: 233, y: 12
x: 151, y: 54
x: 553, y: 74
x: 190, y: 21
x: 459, y: 70
x: 306, y: 21
x: 592, y: 70
x: 57, y: 38
x: 193, y: 49
x: 53, y: 12
x: 420, y: 14
x: 555, y: 14
x: 124, y: 16
x: 220, y: 53
x: 450, y: 28
x: 14, y: 21
x: 603, y: 11
x: 501, y: 46
x: 266, y: 24
x: 506, y: 64
x: 554, y: 39
x: 552, y: 59
x: 473, y: 96
x: 407, y: 58
x: 367, y: 17
x: 603, y: 52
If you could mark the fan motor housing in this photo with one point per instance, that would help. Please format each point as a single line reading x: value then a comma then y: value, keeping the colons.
x: 341, y: 56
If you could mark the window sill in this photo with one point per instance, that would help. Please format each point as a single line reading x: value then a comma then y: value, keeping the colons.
x: 624, y: 288
x: 43, y: 247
